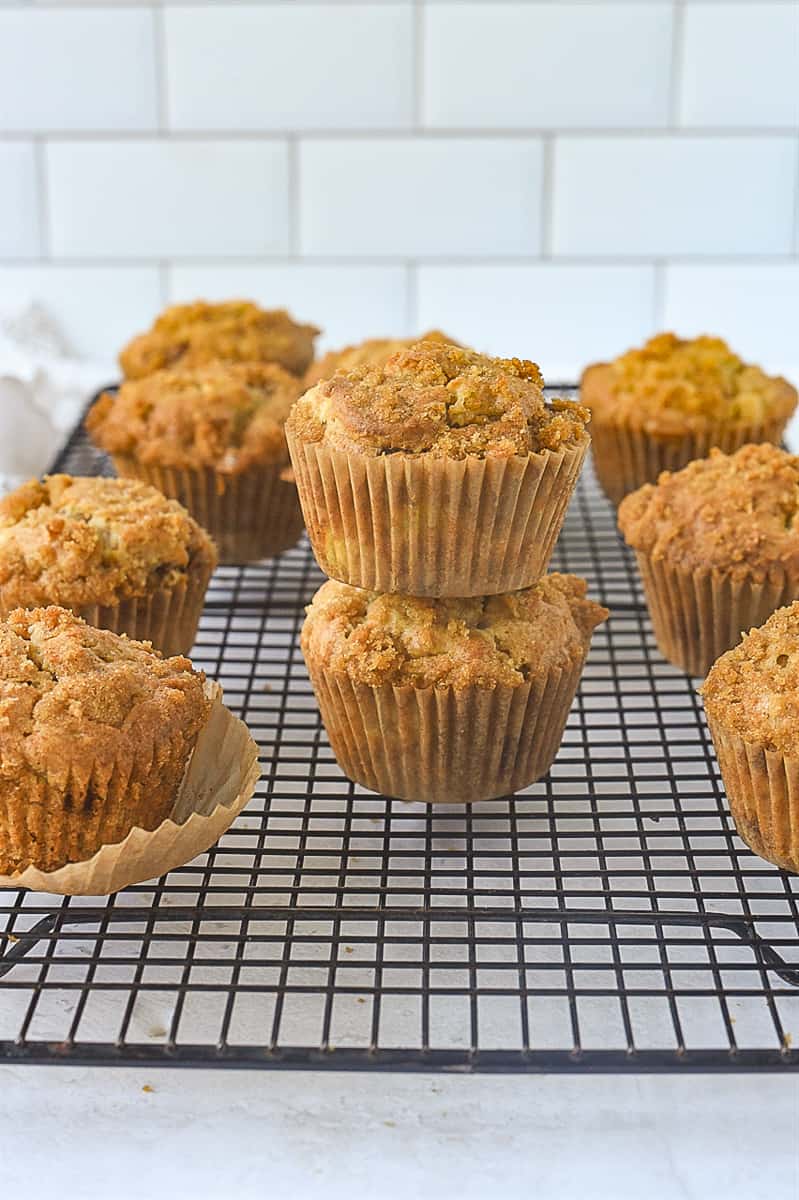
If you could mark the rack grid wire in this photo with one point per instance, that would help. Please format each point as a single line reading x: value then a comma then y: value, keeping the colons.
x: 607, y: 918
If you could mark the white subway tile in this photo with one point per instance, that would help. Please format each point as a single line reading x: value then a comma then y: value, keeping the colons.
x: 98, y: 308
x: 426, y: 196
x: 348, y: 303
x: 161, y: 199
x: 19, y: 217
x: 342, y: 66
x: 544, y: 65
x: 740, y: 64
x: 77, y: 69
x: 560, y: 315
x: 754, y: 306
x: 674, y: 195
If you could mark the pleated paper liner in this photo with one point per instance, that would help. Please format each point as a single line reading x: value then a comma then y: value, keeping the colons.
x: 762, y: 789
x: 434, y: 527
x: 251, y: 515
x: 218, y: 783
x: 626, y: 458
x: 698, y: 615
x: 441, y: 745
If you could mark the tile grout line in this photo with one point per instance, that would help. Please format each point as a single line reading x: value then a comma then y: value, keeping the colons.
x: 293, y: 184
x: 42, y: 199
x: 161, y: 72
x: 547, y: 197
x: 412, y: 297
x: 676, y: 66
x: 418, y: 64
x: 659, y: 294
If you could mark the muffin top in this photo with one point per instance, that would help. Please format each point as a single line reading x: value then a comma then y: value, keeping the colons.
x: 733, y: 511
x: 228, y: 416
x: 71, y: 694
x: 189, y: 335
x: 440, y: 400
x: 481, y: 642
x: 753, y: 689
x: 79, y: 541
x: 373, y: 352
x: 671, y: 385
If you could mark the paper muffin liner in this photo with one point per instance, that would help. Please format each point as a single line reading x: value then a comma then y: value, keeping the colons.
x: 252, y: 514
x: 625, y: 458
x: 219, y: 781
x: 698, y: 615
x: 762, y: 789
x: 442, y: 745
x: 434, y: 527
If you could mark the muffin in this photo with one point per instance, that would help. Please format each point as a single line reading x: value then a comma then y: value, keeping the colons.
x: 751, y: 699
x: 659, y: 407
x: 116, y: 552
x: 95, y: 735
x: 447, y: 700
x: 213, y: 438
x: 718, y: 549
x: 440, y: 473
x: 192, y: 335
x: 374, y: 352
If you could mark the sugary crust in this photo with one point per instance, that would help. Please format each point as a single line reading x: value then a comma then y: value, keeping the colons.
x: 753, y: 690
x: 228, y: 416
x: 190, y: 335
x: 672, y: 386
x: 80, y: 541
x: 737, y: 512
x: 373, y: 352
x: 482, y: 642
x: 438, y: 400
x: 76, y: 698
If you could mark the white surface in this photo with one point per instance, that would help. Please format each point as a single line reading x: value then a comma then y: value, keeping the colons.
x: 19, y: 225
x: 91, y: 1135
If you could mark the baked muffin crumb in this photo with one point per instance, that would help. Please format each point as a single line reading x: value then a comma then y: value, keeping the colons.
x: 372, y: 352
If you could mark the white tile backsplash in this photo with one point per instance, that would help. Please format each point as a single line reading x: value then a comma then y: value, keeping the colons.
x: 674, y: 195
x: 604, y: 65
x: 548, y: 177
x: 421, y: 196
x: 77, y: 69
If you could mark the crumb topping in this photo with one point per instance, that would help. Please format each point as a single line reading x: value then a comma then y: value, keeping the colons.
x: 671, y: 384
x: 70, y: 693
x: 482, y: 642
x: 228, y: 416
x: 733, y: 511
x: 191, y: 335
x: 373, y: 352
x: 79, y: 541
x: 753, y: 689
x: 440, y: 400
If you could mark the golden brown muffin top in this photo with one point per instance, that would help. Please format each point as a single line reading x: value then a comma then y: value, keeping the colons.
x: 228, y: 416
x: 439, y: 400
x: 76, y: 541
x: 483, y: 642
x: 73, y: 696
x: 738, y: 512
x: 373, y: 352
x: 673, y: 385
x: 753, y: 689
x: 190, y: 335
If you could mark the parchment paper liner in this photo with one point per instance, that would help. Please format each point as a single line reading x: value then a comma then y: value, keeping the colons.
x: 434, y: 527
x: 441, y: 745
x: 762, y: 788
x: 625, y: 458
x: 699, y: 615
x: 251, y: 515
x: 168, y: 617
x: 219, y: 781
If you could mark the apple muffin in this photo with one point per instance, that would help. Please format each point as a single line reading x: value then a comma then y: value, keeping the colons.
x: 373, y: 352
x: 659, y: 407
x: 96, y: 731
x: 440, y: 473
x: 192, y: 335
x: 751, y: 698
x: 213, y: 438
x: 449, y: 700
x: 115, y: 551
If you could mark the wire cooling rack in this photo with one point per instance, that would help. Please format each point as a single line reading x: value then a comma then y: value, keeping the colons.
x: 607, y: 918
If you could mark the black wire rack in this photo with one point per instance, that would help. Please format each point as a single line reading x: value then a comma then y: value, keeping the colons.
x: 607, y: 918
